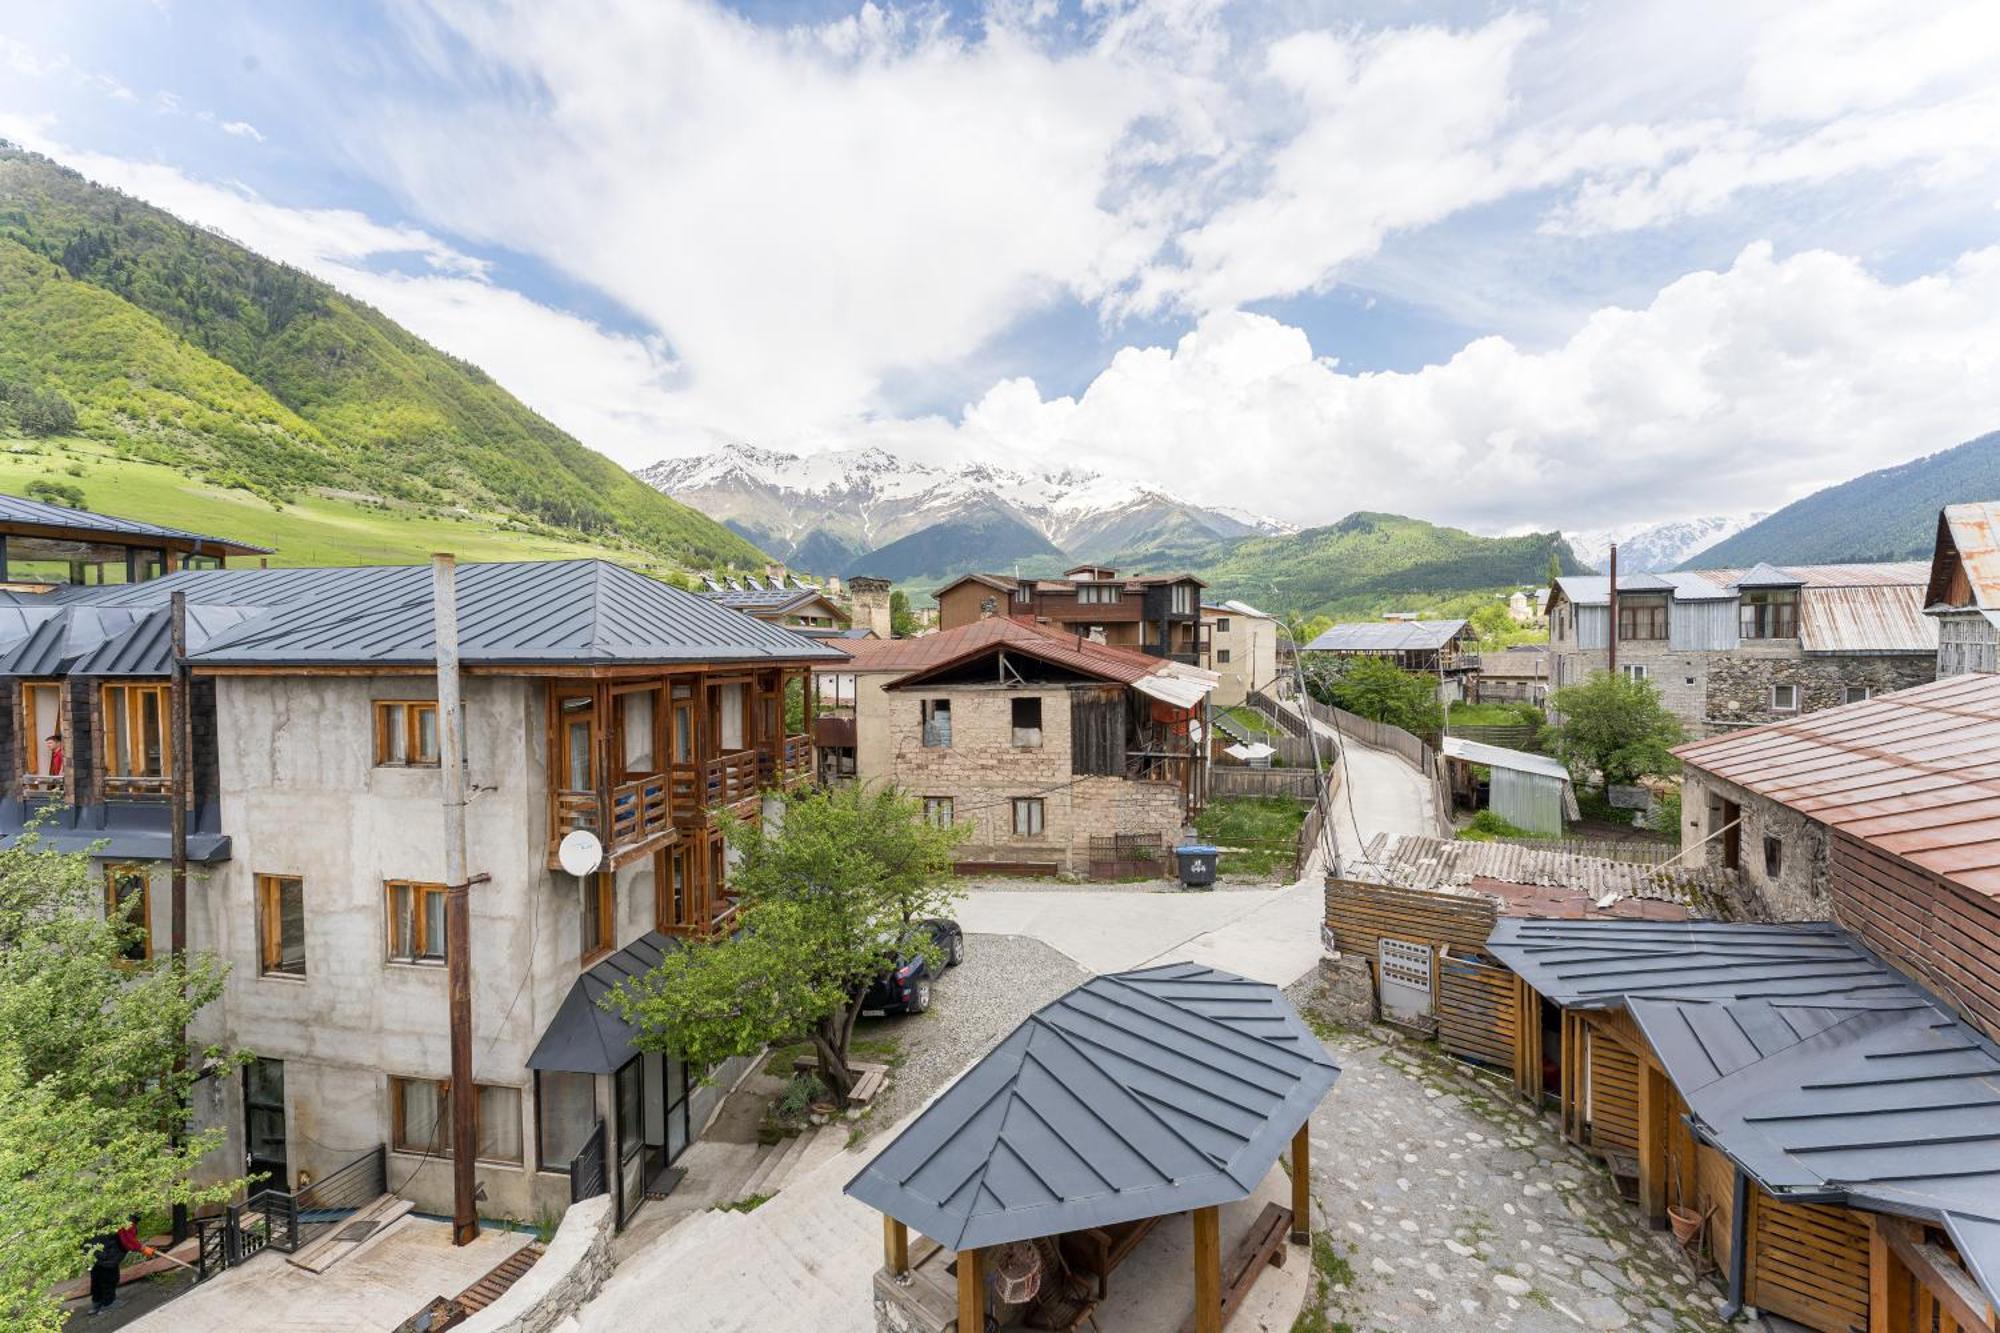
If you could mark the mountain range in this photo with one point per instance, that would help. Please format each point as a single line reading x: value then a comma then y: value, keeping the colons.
x: 1654, y: 546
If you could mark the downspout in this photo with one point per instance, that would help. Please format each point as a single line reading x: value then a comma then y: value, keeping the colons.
x: 1739, y: 1228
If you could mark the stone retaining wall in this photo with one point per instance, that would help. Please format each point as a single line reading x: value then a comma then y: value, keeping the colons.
x: 563, y: 1279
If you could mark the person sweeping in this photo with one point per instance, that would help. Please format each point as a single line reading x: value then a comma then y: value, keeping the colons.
x: 112, y: 1247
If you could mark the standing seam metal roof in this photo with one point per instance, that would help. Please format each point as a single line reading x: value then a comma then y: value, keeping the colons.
x: 1399, y: 636
x: 19, y: 509
x: 1134, y: 1095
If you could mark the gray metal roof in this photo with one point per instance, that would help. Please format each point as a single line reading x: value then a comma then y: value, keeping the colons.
x: 528, y: 613
x: 586, y: 1038
x: 1134, y: 1095
x: 1595, y: 589
x: 1499, y: 756
x: 113, y: 830
x: 1768, y: 576
x: 21, y: 510
x: 1394, y: 636
x: 1601, y: 964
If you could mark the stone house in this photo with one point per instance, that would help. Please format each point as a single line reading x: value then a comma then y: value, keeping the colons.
x: 1963, y: 595
x: 594, y: 699
x: 781, y: 599
x: 1734, y: 648
x: 1242, y: 650
x: 1516, y: 675
x: 1037, y: 741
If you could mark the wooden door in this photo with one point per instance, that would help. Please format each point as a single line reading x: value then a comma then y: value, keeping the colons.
x: 1478, y: 1011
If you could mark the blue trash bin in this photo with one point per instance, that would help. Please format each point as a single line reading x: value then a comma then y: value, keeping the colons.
x: 1197, y: 865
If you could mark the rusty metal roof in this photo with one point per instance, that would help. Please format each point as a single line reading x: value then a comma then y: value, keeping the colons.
x: 1875, y: 575
x: 1856, y: 618
x: 1915, y: 773
x: 1969, y: 539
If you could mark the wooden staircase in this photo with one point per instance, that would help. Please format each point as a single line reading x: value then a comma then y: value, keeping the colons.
x: 494, y: 1285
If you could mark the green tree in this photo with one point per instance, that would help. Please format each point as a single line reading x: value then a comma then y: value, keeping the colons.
x: 1377, y: 690
x: 44, y: 412
x: 92, y: 1102
x: 902, y: 623
x: 828, y: 892
x: 1555, y: 570
x: 1615, y: 726
x: 56, y: 493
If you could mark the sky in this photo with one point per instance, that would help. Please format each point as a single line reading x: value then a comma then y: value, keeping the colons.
x: 1564, y: 265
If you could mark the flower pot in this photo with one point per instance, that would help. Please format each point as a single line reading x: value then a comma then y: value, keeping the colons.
x: 1686, y: 1224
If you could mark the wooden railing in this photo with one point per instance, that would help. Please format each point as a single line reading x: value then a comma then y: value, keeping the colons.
x: 129, y: 788
x: 730, y: 778
x: 1156, y: 766
x: 639, y: 809
x: 787, y: 761
x: 573, y: 810
x: 41, y: 784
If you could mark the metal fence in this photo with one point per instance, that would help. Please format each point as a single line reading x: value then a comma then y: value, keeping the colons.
x: 339, y: 1195
x: 1128, y: 856
x: 587, y: 1177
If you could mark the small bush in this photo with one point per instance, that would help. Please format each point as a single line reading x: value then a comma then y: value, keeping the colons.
x: 1486, y: 826
x: 1667, y: 813
x: 56, y: 493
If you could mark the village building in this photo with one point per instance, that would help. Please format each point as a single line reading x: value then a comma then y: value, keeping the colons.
x: 48, y: 547
x: 1734, y: 648
x: 1433, y: 647
x: 1963, y: 595
x: 1514, y: 675
x: 1242, y: 650
x: 1059, y: 753
x: 1159, y: 614
x: 595, y: 699
x: 782, y: 599
x: 1529, y: 791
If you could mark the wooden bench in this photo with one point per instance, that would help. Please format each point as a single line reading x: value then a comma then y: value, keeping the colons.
x: 1097, y: 1251
x: 1264, y: 1243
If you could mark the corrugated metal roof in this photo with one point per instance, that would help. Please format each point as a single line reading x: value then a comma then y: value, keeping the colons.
x: 1971, y: 534
x: 1398, y: 636
x: 1499, y: 756
x: 1885, y: 618
x: 1135, y: 1095
x: 1595, y: 589
x: 1871, y: 575
x: 1767, y: 576
x: 1428, y: 863
x: 1916, y: 773
x: 19, y: 509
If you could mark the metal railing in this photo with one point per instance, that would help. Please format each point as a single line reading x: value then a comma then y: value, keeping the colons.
x: 587, y: 1177
x: 273, y: 1219
x: 338, y: 1195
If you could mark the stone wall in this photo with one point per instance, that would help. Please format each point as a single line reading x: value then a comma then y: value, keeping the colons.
x: 1798, y: 891
x: 563, y: 1279
x: 1739, y: 684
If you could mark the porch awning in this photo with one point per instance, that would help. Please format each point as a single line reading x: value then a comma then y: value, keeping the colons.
x: 1135, y: 1095
x: 586, y: 1038
x: 1174, y: 689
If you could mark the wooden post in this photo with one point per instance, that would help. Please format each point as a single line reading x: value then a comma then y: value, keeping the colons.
x: 457, y: 910
x: 180, y: 789
x: 1653, y: 1144
x: 971, y: 1291
x: 1207, y: 1269
x: 1302, y: 1192
x: 1888, y: 1284
x: 895, y: 1245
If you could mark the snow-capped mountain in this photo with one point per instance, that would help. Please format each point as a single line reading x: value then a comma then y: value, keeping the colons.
x: 821, y: 512
x: 1656, y: 546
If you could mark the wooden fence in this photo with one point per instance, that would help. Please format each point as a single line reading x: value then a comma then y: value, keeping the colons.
x: 1233, y: 780
x: 1377, y: 735
x: 1506, y: 737
x: 1360, y: 913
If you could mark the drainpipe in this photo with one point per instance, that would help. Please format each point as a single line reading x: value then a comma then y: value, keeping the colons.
x: 1739, y: 1228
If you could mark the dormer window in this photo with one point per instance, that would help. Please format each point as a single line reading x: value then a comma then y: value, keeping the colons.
x: 1769, y: 613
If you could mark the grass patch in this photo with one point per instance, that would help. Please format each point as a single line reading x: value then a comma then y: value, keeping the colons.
x: 1331, y: 1271
x: 1486, y: 826
x: 1257, y: 834
x: 745, y: 1205
x: 1252, y: 721
x: 1495, y: 715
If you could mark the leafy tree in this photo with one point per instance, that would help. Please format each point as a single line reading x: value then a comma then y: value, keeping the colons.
x: 1555, y: 570
x: 44, y: 412
x: 56, y: 493
x: 1614, y: 725
x: 827, y: 892
x: 902, y: 622
x: 90, y: 1097
x: 1377, y: 690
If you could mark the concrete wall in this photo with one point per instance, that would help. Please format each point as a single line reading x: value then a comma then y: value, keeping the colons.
x: 567, y: 1275
x: 1252, y: 645
x: 1799, y: 891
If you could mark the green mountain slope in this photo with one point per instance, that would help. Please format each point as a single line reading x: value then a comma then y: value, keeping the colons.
x: 1885, y: 515
x: 181, y: 348
x: 1368, y: 563
x: 991, y: 541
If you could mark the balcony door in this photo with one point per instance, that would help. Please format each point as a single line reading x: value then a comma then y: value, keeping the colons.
x: 264, y: 1124
x: 727, y: 703
x: 576, y: 734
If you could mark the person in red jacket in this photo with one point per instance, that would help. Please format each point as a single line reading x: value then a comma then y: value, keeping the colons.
x: 112, y: 1247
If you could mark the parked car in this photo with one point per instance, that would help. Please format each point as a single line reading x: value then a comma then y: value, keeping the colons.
x: 907, y: 990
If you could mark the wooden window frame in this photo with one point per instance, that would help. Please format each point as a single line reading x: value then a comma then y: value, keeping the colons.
x: 385, y: 726
x: 134, y: 692
x: 144, y: 918
x: 31, y: 731
x: 940, y: 805
x: 605, y: 885
x: 397, y: 1084
x: 271, y: 925
x: 1037, y: 810
x: 1762, y: 614
x: 1651, y: 617
x: 418, y: 955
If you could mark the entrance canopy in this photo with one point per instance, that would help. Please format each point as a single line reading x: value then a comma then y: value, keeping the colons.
x: 1135, y: 1095
x: 586, y: 1038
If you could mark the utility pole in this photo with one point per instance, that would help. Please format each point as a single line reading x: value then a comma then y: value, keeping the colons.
x: 1612, y: 659
x: 180, y: 767
x: 457, y: 910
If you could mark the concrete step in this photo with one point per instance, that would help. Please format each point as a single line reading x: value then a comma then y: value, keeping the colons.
x: 356, y: 1233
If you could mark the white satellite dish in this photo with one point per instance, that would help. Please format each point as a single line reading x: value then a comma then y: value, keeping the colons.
x: 580, y: 852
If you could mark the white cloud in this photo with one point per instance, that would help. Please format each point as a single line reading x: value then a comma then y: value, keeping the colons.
x: 242, y: 129
x: 1733, y: 390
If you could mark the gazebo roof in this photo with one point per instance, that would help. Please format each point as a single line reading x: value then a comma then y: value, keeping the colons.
x: 1135, y: 1095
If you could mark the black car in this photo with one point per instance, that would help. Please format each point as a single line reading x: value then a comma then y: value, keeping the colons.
x: 907, y: 990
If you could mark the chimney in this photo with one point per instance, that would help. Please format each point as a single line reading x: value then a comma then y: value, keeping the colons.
x: 871, y: 604
x: 776, y: 575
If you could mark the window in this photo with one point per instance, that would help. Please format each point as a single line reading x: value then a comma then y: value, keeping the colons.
x: 1769, y: 614
x: 1097, y: 594
x: 406, y: 732
x: 136, y: 748
x: 1222, y: 657
x: 599, y: 913
x: 565, y: 1114
x: 1024, y: 592
x: 1642, y: 620
x: 420, y: 1119
x: 128, y: 896
x: 42, y: 733
x: 576, y: 735
x: 936, y: 717
x: 1222, y: 624
x: 1027, y: 722
x: 1856, y: 694
x: 281, y: 926
x: 1028, y: 816
x: 416, y: 922
x: 1774, y: 857
x: 1634, y: 671
x: 636, y: 712
x: 1183, y: 599
x: 1784, y: 698
x: 938, y: 810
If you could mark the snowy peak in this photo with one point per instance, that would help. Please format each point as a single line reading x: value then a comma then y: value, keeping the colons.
x: 1656, y: 546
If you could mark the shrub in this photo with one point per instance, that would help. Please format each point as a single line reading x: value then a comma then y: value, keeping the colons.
x: 44, y: 412
x: 56, y: 493
x: 1486, y: 826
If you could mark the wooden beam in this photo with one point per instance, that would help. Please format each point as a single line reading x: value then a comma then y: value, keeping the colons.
x: 972, y: 1291
x: 1302, y: 1193
x: 1653, y: 1098
x: 1207, y: 1270
x: 1941, y: 1274
x: 1888, y: 1284
x: 895, y: 1246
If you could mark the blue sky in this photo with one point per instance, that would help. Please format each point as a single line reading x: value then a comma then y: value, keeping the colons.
x: 1571, y: 264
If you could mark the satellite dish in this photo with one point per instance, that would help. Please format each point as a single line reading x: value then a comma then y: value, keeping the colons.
x: 580, y: 852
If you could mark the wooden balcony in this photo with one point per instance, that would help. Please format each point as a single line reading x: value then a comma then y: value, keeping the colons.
x: 727, y: 780
x: 118, y: 787
x: 639, y: 818
x: 787, y: 762
x: 41, y: 786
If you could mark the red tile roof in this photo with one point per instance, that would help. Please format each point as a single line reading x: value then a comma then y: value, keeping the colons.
x: 1915, y: 773
x: 908, y: 656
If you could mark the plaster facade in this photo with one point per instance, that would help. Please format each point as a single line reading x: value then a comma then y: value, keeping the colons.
x: 1243, y: 650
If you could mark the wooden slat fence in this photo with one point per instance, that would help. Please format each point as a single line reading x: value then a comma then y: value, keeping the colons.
x: 1296, y: 783
x: 1359, y: 914
x: 1614, y: 1073
x: 1508, y: 737
x: 1809, y: 1262
x: 1478, y: 1010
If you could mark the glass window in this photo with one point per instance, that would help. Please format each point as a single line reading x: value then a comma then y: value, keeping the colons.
x: 416, y: 922
x: 565, y: 1114
x: 938, y: 810
x: 42, y: 730
x: 579, y: 740
x: 1634, y: 672
x: 1027, y: 715
x: 135, y: 736
x: 128, y: 898
x: 498, y: 1123
x: 636, y: 732
x: 1183, y: 599
x: 729, y: 717
x: 599, y: 916
x: 281, y: 925
x: 1784, y: 698
x: 420, y: 1118
x: 406, y: 732
x: 1642, y: 620
x: 1222, y: 657
x: 1222, y: 624
x: 1028, y: 816
x: 1769, y: 614
x: 936, y: 717
x: 1855, y: 694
